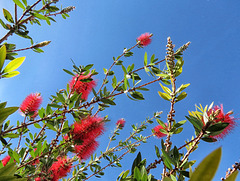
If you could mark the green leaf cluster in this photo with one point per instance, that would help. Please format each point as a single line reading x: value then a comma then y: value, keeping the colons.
x: 10, y: 69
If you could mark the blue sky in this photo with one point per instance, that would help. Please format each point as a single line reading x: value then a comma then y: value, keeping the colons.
x: 96, y: 31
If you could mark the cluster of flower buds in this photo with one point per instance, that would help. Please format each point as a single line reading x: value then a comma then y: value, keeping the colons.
x: 68, y: 9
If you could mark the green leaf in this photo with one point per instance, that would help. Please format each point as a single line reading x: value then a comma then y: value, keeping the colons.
x: 128, y: 54
x: 181, y: 96
x: 157, y: 151
x: 25, y: 2
x: 167, y: 160
x: 36, y: 125
x: 164, y: 96
x: 10, y: 135
x: 40, y: 16
x: 17, y: 2
x: 180, y: 123
x: 165, y: 81
x: 177, y: 131
x: 167, y: 179
x: 182, y: 87
x: 137, y: 95
x: 195, y: 122
x: 208, y: 167
x: 55, y: 105
x: 3, y: 53
x: 136, y: 162
x: 209, y: 140
x: 8, y: 170
x: 12, y: 178
x: 3, y: 140
x: 108, y: 101
x: 137, y: 174
x: 14, y: 64
x: 3, y: 24
x: 217, y: 127
x: 119, y: 62
x: 8, y: 15
x: 10, y: 74
x: 161, y: 123
x: 3, y: 105
x: 232, y: 177
x: 165, y: 89
x: 60, y: 98
x: 68, y: 72
x: 87, y: 67
x: 124, y: 69
x: 4, y: 113
x: 145, y: 59
x: 114, y: 81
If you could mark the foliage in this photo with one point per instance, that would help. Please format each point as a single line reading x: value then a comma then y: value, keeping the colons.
x: 37, y: 158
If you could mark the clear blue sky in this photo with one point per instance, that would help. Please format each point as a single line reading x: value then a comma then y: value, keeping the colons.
x: 98, y: 30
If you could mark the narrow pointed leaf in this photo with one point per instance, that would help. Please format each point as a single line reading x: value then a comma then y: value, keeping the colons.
x: 14, y: 64
x: 17, y: 2
x: 181, y: 96
x: 145, y: 59
x: 164, y: 95
x: 68, y: 72
x: 7, y: 15
x: 4, y: 113
x: 165, y: 89
x: 3, y: 53
x: 11, y: 74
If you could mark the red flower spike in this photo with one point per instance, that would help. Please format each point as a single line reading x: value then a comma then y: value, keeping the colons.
x: 40, y: 179
x: 223, y: 118
x: 145, y: 39
x: 5, y: 160
x: 88, y: 128
x: 60, y: 168
x: 82, y: 87
x: 87, y: 148
x: 157, y: 131
x: 121, y: 123
x: 31, y: 104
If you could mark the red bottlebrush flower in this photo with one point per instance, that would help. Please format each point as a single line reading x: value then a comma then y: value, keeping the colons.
x: 66, y: 137
x: 40, y: 179
x: 157, y: 131
x: 82, y: 87
x: 87, y: 148
x: 89, y: 128
x: 60, y: 168
x: 223, y: 118
x: 145, y: 39
x: 5, y: 160
x: 31, y: 104
x: 121, y: 123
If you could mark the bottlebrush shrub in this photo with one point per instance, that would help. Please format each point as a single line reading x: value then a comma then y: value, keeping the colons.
x: 69, y: 126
